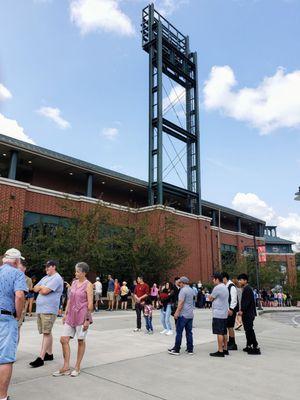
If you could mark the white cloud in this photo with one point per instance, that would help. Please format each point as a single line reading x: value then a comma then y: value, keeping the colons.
x: 167, y: 7
x: 287, y: 226
x: 273, y: 104
x: 10, y: 127
x: 100, y: 15
x: 110, y: 133
x: 4, y: 93
x: 55, y: 115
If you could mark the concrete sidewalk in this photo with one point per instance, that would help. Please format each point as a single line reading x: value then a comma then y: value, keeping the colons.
x: 122, y: 364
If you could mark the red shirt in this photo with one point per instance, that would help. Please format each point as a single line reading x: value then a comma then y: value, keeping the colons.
x: 117, y: 289
x: 141, y: 289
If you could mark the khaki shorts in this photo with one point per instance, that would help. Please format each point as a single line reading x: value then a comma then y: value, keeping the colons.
x: 110, y: 296
x: 45, y: 322
x: 98, y: 296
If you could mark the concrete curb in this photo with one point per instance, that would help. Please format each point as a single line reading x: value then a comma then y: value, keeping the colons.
x: 276, y: 310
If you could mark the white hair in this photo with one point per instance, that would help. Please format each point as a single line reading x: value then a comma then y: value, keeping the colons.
x: 10, y: 261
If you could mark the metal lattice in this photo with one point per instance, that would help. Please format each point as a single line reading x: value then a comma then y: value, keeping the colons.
x: 170, y: 58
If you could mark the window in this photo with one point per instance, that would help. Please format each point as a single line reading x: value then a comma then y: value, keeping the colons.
x: 228, y: 255
x: 35, y: 222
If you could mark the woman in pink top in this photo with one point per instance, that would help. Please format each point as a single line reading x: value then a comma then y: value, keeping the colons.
x: 154, y: 295
x: 77, y: 318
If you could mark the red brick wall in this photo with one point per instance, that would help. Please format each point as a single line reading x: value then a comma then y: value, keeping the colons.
x: 290, y: 260
x: 195, y: 233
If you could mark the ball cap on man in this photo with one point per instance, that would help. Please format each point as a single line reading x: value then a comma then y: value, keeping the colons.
x: 13, y: 254
x: 184, y: 279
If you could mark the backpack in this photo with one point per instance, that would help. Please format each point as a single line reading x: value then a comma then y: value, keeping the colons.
x: 237, y: 308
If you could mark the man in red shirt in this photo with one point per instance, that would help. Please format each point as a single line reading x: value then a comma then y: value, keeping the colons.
x: 141, y: 291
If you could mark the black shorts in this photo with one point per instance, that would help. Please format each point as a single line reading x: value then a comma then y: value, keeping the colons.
x: 219, y: 326
x: 231, y: 320
x: 124, y: 298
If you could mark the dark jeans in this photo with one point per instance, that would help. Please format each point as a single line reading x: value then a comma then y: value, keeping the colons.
x: 138, y: 310
x: 249, y: 331
x: 148, y: 321
x: 187, y: 324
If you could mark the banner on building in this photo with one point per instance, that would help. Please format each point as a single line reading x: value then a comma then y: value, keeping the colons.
x: 262, y: 256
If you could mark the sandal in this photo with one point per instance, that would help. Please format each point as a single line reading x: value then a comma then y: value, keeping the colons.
x: 61, y: 373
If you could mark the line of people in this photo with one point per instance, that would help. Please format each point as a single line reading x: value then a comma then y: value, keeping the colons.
x: 177, y: 300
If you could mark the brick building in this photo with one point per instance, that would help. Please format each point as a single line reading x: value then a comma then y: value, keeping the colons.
x: 33, y: 180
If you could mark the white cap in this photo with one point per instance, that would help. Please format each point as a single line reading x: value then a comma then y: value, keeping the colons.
x: 13, y: 254
x: 97, y: 279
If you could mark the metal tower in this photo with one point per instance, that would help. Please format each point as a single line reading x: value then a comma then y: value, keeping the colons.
x: 170, y: 57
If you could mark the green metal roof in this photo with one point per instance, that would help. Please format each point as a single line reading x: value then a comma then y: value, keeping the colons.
x: 277, y: 240
x: 92, y: 168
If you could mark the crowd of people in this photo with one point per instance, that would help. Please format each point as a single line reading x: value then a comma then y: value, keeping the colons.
x: 233, y: 304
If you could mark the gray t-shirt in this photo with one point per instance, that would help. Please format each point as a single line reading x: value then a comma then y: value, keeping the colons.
x: 220, y: 303
x: 49, y: 304
x: 187, y: 294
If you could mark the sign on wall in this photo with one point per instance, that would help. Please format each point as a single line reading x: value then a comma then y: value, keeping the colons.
x: 262, y: 256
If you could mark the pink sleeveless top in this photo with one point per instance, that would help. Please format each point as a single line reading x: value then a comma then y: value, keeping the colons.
x: 78, y: 305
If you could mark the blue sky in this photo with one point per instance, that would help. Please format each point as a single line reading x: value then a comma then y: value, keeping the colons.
x: 77, y: 82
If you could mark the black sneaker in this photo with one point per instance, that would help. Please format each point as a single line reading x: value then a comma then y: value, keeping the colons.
x: 173, y: 352
x: 232, y: 346
x: 255, y: 351
x: 246, y: 349
x: 191, y: 353
x: 48, y: 357
x: 226, y: 352
x: 217, y: 354
x: 37, y: 363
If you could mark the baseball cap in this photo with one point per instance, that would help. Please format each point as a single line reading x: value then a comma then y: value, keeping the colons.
x: 184, y: 279
x: 51, y: 263
x: 97, y: 279
x: 13, y: 253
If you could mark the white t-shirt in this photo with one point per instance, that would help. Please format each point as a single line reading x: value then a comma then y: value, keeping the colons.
x: 98, y: 287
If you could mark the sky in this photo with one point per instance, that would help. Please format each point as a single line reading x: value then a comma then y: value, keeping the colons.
x: 74, y: 79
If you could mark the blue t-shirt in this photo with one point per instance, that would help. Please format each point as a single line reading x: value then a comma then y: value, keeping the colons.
x: 49, y: 304
x: 11, y: 280
x: 111, y: 285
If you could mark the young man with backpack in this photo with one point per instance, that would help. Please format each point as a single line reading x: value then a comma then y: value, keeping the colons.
x: 233, y: 308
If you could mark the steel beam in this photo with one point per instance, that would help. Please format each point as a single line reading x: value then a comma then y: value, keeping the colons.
x: 12, y: 173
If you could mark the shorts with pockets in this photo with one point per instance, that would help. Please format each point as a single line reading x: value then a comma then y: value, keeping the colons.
x: 74, y: 331
x: 219, y: 326
x: 110, y: 296
x: 231, y: 320
x: 45, y: 323
x: 8, y: 339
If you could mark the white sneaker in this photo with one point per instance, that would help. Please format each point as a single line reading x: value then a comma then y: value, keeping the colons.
x: 164, y: 331
x: 168, y: 333
x: 136, y: 330
x: 61, y: 373
x: 75, y: 373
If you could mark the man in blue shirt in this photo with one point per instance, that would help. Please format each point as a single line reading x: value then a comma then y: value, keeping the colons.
x: 50, y: 289
x: 110, y: 293
x: 184, y: 315
x: 12, y: 298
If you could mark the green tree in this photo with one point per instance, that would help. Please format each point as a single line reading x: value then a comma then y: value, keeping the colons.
x: 123, y: 248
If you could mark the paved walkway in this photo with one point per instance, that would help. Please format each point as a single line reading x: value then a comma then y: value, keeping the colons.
x: 120, y: 364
